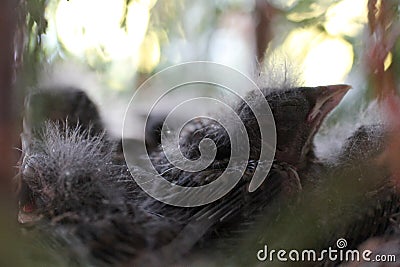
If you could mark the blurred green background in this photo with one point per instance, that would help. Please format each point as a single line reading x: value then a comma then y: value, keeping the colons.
x: 124, y: 41
x: 116, y: 45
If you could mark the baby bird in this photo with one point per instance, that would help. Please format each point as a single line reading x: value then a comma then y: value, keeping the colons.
x: 64, y: 105
x: 298, y: 114
x: 74, y: 193
x: 377, y: 220
x: 360, y: 172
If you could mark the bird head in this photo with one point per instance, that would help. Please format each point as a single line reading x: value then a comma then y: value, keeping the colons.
x: 298, y: 114
x: 60, y: 126
x: 62, y: 105
x: 65, y: 171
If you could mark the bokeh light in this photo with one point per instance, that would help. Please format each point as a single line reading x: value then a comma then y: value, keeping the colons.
x: 125, y: 38
x: 323, y: 59
x: 346, y: 17
x: 103, y: 35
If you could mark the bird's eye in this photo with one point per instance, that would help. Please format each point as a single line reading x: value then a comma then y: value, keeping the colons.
x: 28, y: 172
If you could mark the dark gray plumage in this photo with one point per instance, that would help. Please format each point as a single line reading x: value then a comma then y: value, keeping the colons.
x: 63, y: 105
x: 355, y: 199
x: 74, y: 187
x: 376, y: 218
x: 298, y: 113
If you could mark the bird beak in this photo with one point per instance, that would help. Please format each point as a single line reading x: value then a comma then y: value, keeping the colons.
x: 25, y: 214
x: 326, y: 99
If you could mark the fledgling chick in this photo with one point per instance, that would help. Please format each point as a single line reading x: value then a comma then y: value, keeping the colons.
x: 63, y: 105
x: 298, y: 113
x: 360, y: 157
x: 74, y: 193
x: 384, y: 244
x: 377, y: 213
x: 73, y: 187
